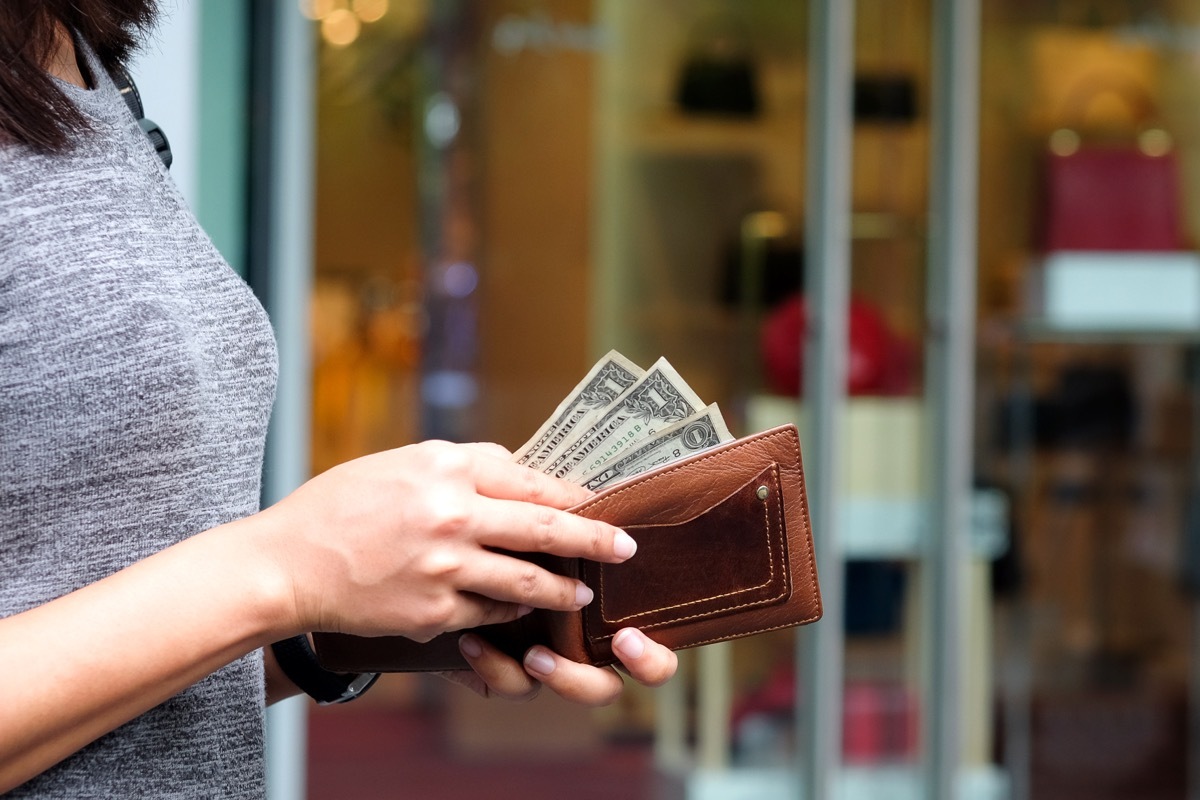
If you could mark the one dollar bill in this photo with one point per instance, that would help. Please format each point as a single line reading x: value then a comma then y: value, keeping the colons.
x: 659, y: 399
x: 693, y: 435
x: 608, y: 380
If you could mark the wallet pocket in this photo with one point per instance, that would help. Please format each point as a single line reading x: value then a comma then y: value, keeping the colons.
x: 728, y: 557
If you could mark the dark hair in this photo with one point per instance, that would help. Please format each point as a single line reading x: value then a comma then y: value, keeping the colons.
x: 33, y: 108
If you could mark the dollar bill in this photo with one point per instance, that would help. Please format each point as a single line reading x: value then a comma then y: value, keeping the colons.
x: 659, y: 399
x: 608, y: 379
x: 694, y: 434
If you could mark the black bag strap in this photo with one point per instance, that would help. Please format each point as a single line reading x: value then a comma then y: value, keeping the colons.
x: 133, y: 99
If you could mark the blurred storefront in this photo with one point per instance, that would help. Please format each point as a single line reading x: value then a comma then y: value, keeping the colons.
x: 979, y: 213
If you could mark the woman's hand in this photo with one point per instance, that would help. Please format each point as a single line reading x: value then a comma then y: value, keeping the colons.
x: 495, y: 674
x: 403, y: 542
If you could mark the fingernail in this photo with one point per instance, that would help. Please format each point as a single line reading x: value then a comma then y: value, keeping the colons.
x: 583, y: 595
x: 523, y: 610
x: 539, y: 661
x: 629, y: 644
x: 623, y: 545
x: 470, y: 646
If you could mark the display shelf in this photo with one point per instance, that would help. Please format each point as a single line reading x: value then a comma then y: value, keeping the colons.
x: 874, y: 528
x: 1103, y: 296
x: 884, y: 511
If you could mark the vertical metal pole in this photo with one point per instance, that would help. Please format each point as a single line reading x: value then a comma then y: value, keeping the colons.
x: 672, y: 753
x: 827, y: 256
x: 714, y: 704
x: 950, y: 360
x: 283, y: 204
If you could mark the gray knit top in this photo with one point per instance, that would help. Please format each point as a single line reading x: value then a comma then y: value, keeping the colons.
x: 137, y: 373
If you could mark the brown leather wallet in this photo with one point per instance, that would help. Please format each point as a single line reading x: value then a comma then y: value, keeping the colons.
x: 724, y: 550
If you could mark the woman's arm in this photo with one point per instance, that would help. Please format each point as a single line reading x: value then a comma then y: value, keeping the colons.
x: 397, y: 543
x: 78, y: 667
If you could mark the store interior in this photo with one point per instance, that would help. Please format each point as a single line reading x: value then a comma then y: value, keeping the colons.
x: 507, y: 189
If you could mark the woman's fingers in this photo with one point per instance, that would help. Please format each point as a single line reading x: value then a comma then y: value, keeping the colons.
x: 517, y: 508
x: 500, y: 478
x: 516, y: 581
x: 531, y: 528
x: 647, y: 661
x: 493, y: 673
x: 513, y: 507
x: 578, y: 683
x: 466, y: 610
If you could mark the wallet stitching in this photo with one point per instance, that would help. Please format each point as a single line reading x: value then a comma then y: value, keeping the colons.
x: 805, y: 621
x: 774, y: 468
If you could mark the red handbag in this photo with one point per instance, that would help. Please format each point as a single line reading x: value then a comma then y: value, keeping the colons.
x: 1110, y: 198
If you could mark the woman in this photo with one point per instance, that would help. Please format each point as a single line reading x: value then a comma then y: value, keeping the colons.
x: 139, y: 582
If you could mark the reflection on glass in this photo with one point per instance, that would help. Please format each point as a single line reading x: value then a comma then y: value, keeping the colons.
x: 341, y: 21
x: 340, y: 27
x: 369, y: 10
x: 1088, y: 381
